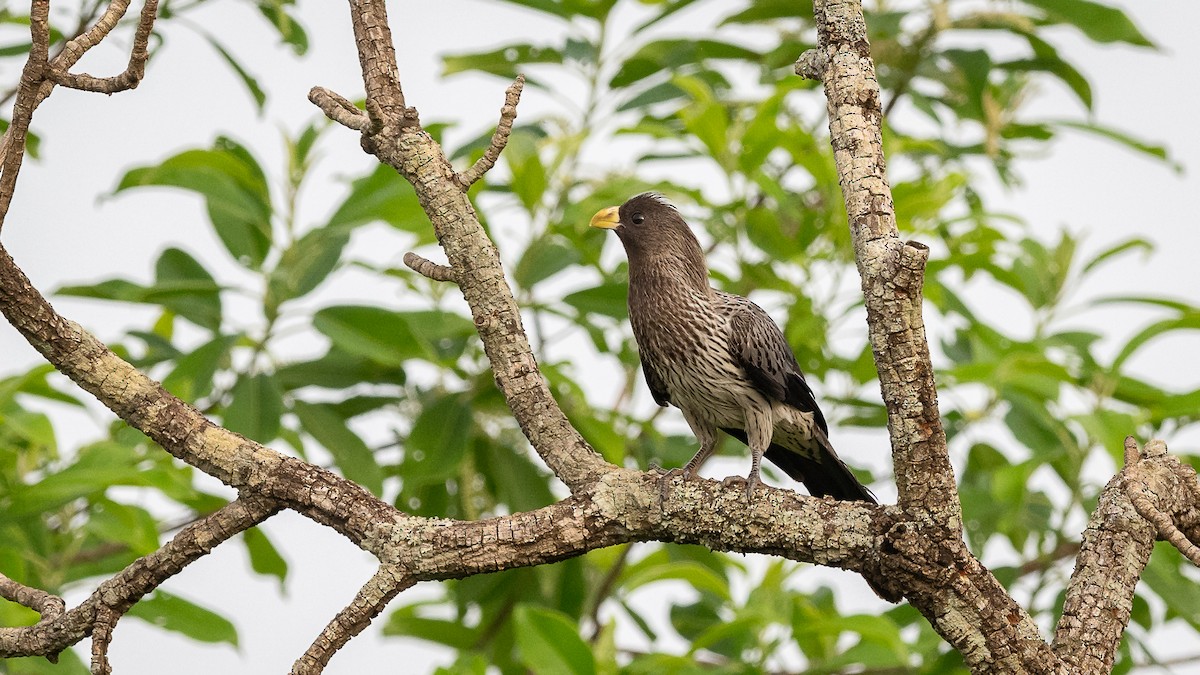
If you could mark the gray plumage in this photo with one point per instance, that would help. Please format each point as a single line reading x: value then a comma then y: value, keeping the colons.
x: 719, y: 357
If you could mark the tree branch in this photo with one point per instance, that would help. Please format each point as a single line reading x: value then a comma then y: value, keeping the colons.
x: 385, y: 585
x: 48, y: 605
x: 134, y: 72
x: 397, y: 140
x: 1116, y: 547
x: 508, y: 114
x: 924, y: 554
x: 428, y: 268
x: 339, y: 109
x: 115, y: 596
x: 892, y: 271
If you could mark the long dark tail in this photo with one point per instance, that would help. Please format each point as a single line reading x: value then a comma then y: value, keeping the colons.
x: 826, y: 475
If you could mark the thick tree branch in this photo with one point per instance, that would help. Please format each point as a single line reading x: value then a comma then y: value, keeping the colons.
x: 102, y: 630
x: 377, y: 59
x: 892, y: 271
x: 924, y: 555
x: 398, y: 141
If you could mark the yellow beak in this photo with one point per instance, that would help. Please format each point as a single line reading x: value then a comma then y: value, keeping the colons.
x: 607, y: 219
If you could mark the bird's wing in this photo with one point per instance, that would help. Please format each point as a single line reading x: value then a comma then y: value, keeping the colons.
x: 760, y: 349
x: 658, y: 389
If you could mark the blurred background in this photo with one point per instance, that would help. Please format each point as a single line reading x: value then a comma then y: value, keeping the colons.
x: 220, y: 234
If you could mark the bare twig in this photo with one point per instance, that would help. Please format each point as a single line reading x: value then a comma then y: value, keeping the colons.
x: 12, y: 146
x: 810, y: 65
x: 106, y: 621
x: 134, y: 72
x: 428, y: 268
x: 508, y: 114
x: 337, y: 108
x: 48, y: 605
x: 41, y: 74
x: 386, y: 584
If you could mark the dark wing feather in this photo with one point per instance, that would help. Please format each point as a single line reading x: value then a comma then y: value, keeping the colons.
x: 658, y: 389
x: 760, y: 349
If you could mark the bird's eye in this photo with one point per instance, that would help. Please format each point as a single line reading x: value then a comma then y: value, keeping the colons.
x: 638, y: 219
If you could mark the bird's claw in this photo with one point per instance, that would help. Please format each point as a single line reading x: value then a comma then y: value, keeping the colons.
x: 665, y: 477
x: 751, y: 482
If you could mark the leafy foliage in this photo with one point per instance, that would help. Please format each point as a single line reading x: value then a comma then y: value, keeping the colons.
x: 400, y: 399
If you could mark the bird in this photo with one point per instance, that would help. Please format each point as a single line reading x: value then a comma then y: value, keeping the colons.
x: 719, y: 357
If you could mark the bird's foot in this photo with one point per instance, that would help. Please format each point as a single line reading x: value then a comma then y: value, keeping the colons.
x: 666, y: 475
x: 750, y: 482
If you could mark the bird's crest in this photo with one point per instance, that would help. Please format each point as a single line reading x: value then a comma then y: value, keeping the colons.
x: 658, y: 197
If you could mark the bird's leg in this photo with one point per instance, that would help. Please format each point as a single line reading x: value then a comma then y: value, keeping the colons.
x: 707, y: 436
x: 760, y: 427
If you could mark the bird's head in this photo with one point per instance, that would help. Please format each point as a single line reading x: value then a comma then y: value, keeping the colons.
x: 657, y: 241
x: 649, y: 225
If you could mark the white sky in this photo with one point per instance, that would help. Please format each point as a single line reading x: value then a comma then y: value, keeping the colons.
x: 60, y: 232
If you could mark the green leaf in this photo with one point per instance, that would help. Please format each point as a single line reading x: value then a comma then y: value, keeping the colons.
x: 1188, y: 321
x: 1158, y: 152
x: 550, y: 644
x: 669, y: 7
x: 373, y: 332
x: 390, y: 338
x: 337, y: 369
x: 1100, y: 23
x: 764, y: 10
x: 192, y: 378
x: 668, y: 56
x: 96, y: 468
x: 546, y: 256
x: 438, y: 441
x: 173, y: 613
x: 608, y: 299
x: 264, y: 557
x: 406, y: 622
x: 349, y: 452
x: 556, y: 8
x: 974, y: 65
x: 256, y: 408
x: 698, y: 576
x: 34, y: 383
x: 250, y: 82
x: 1046, y: 59
x: 383, y: 195
x: 1132, y: 244
x: 290, y: 31
x: 506, y: 61
x: 186, y: 288
x: 1164, y: 575
x: 234, y: 190
x: 305, y: 264
x: 529, y: 178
